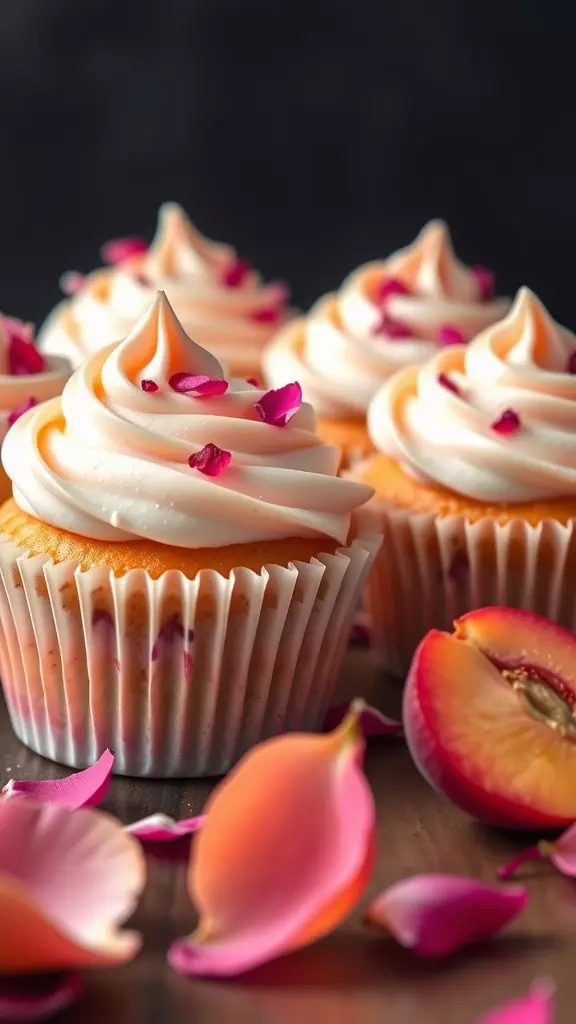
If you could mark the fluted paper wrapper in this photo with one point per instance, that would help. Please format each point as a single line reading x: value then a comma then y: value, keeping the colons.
x: 432, y: 569
x: 178, y: 677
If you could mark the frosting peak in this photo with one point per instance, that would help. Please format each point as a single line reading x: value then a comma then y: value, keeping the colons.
x: 430, y: 268
x: 494, y: 421
x: 112, y: 460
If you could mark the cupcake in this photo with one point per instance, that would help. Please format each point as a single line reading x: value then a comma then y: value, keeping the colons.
x: 387, y: 315
x: 219, y: 299
x: 476, y: 482
x: 179, y: 564
x: 26, y: 378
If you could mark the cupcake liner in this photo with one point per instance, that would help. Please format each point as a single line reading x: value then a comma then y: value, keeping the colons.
x: 432, y: 570
x: 178, y: 677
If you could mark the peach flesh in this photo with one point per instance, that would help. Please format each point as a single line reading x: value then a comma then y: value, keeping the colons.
x: 488, y: 716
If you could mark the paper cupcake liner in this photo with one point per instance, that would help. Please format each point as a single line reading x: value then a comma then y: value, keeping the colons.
x: 431, y: 570
x: 178, y: 677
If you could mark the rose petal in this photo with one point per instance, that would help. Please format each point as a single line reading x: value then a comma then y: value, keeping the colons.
x: 263, y: 888
x: 235, y: 273
x: 448, y: 335
x: 83, y: 789
x: 23, y: 356
x: 210, y: 460
x: 158, y: 828
x: 562, y: 853
x: 389, y: 287
x: 279, y: 292
x: 486, y: 282
x: 150, y: 386
x: 507, y: 423
x: 277, y: 407
x: 391, y: 327
x: 266, y: 315
x: 19, y: 1004
x: 571, y: 367
x: 21, y: 409
x: 535, y: 1008
x: 435, y: 915
x: 253, y: 382
x: 67, y: 880
x: 197, y: 386
x: 446, y: 382
x: 119, y: 249
x: 71, y: 282
x: 372, y: 721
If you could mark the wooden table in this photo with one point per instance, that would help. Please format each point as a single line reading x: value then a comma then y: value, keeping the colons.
x: 354, y: 975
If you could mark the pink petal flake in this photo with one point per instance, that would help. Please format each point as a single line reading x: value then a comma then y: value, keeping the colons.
x: 83, y: 789
x: 561, y: 852
x: 485, y: 281
x: 278, y: 292
x: 436, y: 915
x: 266, y: 315
x: 391, y: 328
x: 234, y: 275
x: 23, y: 356
x: 277, y: 407
x: 21, y: 409
x: 117, y: 250
x: 197, y: 386
x: 571, y: 368
x: 21, y: 1001
x: 448, y: 335
x: 158, y: 828
x: 373, y: 722
x: 446, y: 382
x: 389, y: 287
x: 210, y: 460
x: 506, y: 424
x: 253, y: 382
x: 71, y: 282
x: 535, y: 1008
x: 150, y: 386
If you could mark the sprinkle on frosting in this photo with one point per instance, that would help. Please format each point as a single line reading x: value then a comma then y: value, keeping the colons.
x: 23, y: 356
x: 149, y: 386
x: 117, y: 250
x: 446, y: 382
x: 391, y: 327
x: 266, y: 315
x: 71, y: 282
x: 277, y: 407
x: 17, y: 413
x: 507, y: 423
x: 197, y: 386
x: 234, y: 275
x: 486, y: 282
x: 449, y: 335
x: 210, y: 460
x: 391, y: 286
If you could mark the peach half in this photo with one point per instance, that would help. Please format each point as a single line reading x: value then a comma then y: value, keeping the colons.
x: 490, y: 717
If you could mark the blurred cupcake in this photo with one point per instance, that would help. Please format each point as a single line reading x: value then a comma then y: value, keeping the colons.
x: 26, y: 378
x: 387, y: 315
x: 180, y: 561
x: 476, y: 482
x: 219, y: 299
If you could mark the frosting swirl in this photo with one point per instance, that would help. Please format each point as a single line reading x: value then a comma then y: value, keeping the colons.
x: 352, y: 341
x: 444, y: 422
x: 109, y: 460
x: 16, y: 389
x: 235, y: 320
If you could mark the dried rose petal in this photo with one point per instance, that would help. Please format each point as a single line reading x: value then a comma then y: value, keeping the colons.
x: 561, y: 852
x: 446, y: 382
x: 278, y: 292
x: 372, y: 721
x: 235, y: 273
x: 435, y: 915
x: 18, y: 1003
x: 263, y: 888
x: 23, y: 356
x: 83, y: 789
x: 71, y: 282
x: 448, y: 335
x: 507, y: 423
x: 119, y: 249
x: 197, y: 386
x: 158, y: 828
x: 571, y: 368
x: 266, y: 315
x: 253, y: 382
x: 277, y: 407
x: 210, y: 460
x: 535, y: 1008
x: 62, y: 903
x: 389, y: 287
x: 485, y: 281
x: 17, y: 413
x: 149, y: 386
x: 391, y: 328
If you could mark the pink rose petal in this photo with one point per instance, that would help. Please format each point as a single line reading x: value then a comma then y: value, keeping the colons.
x: 158, y: 828
x: 507, y: 423
x: 235, y: 273
x: 435, y: 915
x: 561, y: 852
x: 119, y: 249
x: 150, y: 386
x: 263, y: 888
x: 448, y: 335
x: 277, y: 407
x: 17, y: 413
x: 446, y: 382
x: 210, y: 460
x: 372, y: 721
x: 253, y: 382
x: 83, y: 789
x: 18, y: 1003
x: 266, y: 315
x: 535, y: 1008
x: 23, y: 356
x: 389, y: 287
x: 71, y: 282
x: 391, y: 327
x: 197, y: 386
x: 486, y: 282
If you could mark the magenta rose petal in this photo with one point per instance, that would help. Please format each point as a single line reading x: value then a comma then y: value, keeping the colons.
x: 119, y: 249
x: 19, y: 1004
x: 150, y: 386
x: 235, y: 273
x: 83, y: 789
x: 535, y: 1008
x: 23, y: 356
x: 266, y: 315
x: 159, y: 828
x: 507, y: 423
x: 373, y: 722
x: 197, y: 386
x: 210, y: 460
x: 390, y: 287
x: 436, y: 915
x: 71, y: 281
x: 277, y: 407
x: 448, y: 335
x: 485, y: 281
x: 561, y: 852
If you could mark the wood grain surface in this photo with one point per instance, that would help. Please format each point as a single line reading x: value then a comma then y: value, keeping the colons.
x: 354, y: 975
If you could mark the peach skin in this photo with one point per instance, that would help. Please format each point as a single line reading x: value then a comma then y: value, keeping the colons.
x: 284, y: 854
x: 489, y: 717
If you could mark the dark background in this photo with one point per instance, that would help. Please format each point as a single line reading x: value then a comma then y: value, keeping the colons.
x: 311, y: 136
